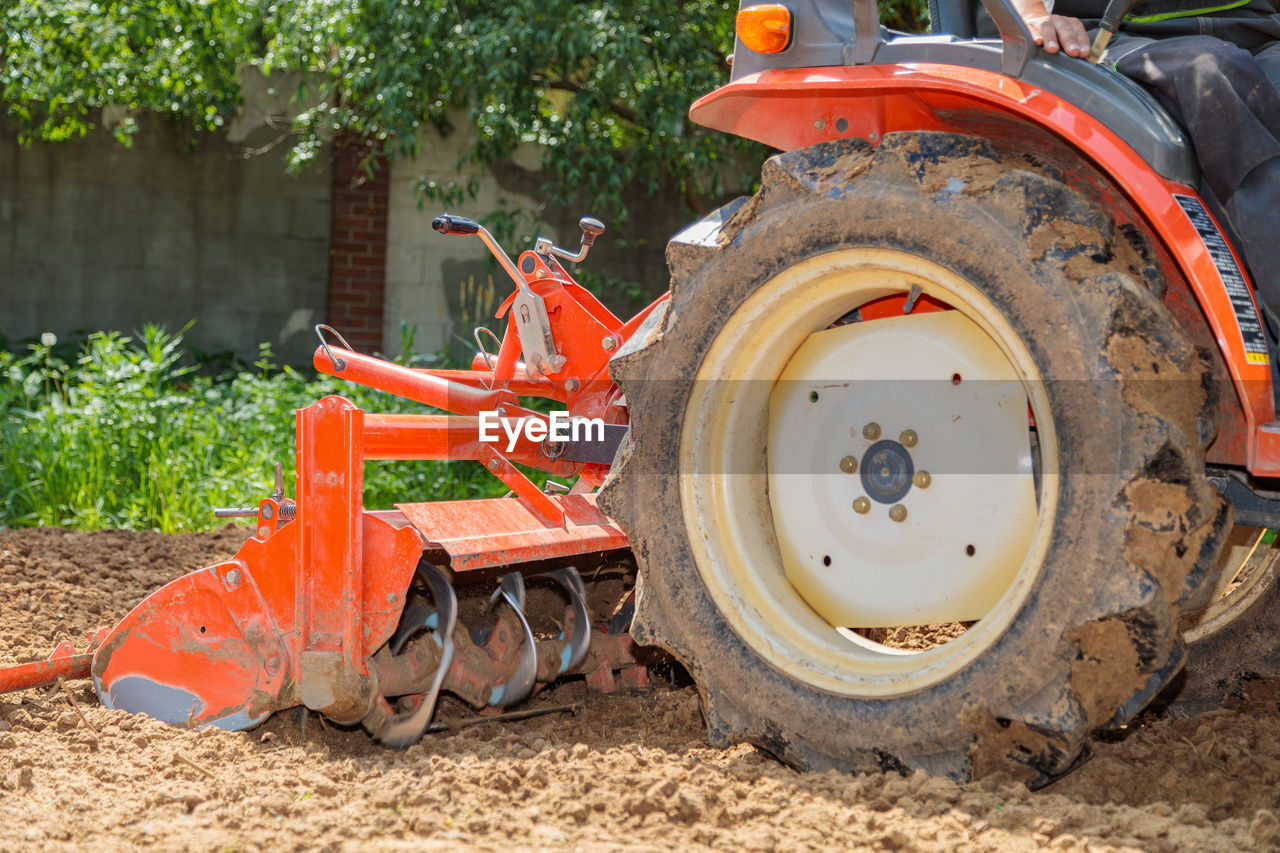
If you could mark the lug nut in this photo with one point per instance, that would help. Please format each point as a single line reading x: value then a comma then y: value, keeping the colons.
x: 862, y: 505
x: 849, y: 464
x: 871, y: 431
x: 898, y: 512
x: 609, y: 343
x: 921, y: 479
x: 908, y: 438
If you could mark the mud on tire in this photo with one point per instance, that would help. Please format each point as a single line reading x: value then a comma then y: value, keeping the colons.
x: 1128, y: 525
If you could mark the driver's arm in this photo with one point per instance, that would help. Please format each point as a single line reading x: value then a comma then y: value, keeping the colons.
x: 1055, y: 32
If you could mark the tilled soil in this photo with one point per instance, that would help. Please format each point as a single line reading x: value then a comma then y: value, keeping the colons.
x: 622, y: 772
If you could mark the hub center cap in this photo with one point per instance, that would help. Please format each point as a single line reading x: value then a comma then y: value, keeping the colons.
x: 886, y: 471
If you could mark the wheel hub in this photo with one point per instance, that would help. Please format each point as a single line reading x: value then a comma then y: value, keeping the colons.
x: 887, y: 470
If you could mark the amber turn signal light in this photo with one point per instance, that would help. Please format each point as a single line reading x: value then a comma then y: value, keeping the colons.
x: 765, y: 28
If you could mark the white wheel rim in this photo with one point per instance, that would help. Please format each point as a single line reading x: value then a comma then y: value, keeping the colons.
x: 921, y: 539
x: 727, y: 508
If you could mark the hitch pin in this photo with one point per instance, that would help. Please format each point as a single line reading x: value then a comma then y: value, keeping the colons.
x: 287, y: 512
x: 236, y: 512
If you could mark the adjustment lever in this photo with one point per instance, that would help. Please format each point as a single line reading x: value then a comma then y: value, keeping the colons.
x: 1112, y: 17
x: 447, y: 223
x: 533, y: 327
x: 591, y: 229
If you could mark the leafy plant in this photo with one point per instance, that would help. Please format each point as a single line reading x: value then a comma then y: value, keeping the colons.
x: 130, y: 435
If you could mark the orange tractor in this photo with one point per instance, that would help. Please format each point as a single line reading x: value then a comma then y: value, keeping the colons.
x: 928, y: 458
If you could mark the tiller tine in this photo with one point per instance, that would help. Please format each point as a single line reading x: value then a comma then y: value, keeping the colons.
x: 404, y: 729
x: 580, y: 640
x: 518, y: 686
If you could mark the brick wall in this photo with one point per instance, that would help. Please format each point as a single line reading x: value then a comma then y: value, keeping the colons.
x: 358, y: 248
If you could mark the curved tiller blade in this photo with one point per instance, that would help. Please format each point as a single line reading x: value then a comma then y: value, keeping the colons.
x: 200, y: 650
x: 580, y: 639
x: 520, y: 684
x: 404, y: 730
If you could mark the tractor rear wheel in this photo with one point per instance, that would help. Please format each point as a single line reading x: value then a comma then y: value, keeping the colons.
x: 914, y: 385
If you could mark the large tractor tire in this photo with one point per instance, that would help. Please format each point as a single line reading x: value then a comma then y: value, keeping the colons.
x: 781, y: 423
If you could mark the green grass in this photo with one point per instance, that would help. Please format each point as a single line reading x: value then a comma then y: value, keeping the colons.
x: 126, y: 433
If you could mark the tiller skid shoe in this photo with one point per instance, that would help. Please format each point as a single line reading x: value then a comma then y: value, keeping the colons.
x: 353, y: 613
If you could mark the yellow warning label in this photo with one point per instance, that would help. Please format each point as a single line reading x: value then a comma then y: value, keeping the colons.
x: 1257, y: 358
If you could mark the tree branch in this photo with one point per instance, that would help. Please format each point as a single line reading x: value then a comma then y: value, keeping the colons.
x: 619, y: 110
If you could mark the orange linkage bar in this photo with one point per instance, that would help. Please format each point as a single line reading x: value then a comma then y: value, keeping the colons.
x: 419, y: 385
x: 45, y: 672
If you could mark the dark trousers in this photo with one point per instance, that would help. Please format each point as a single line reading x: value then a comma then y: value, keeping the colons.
x: 1228, y: 100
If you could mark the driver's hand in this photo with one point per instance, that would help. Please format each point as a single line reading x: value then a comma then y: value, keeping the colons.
x: 1054, y: 32
x: 1058, y: 32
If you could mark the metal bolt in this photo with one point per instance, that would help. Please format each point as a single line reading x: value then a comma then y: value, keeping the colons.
x: 848, y: 464
x: 609, y: 343
x: 502, y: 411
x: 273, y: 664
x: 908, y: 438
x: 898, y: 512
x: 862, y: 505
x: 493, y: 465
x: 264, y: 532
x: 233, y: 577
x: 922, y: 479
x: 871, y: 431
x: 571, y: 385
x: 267, y: 511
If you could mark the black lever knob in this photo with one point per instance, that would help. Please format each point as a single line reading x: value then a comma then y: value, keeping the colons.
x: 447, y: 223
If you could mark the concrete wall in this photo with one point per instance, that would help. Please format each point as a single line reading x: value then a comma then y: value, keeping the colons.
x: 96, y: 236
